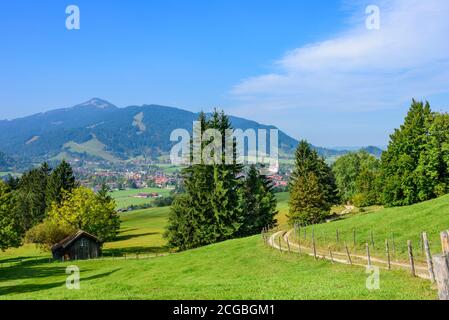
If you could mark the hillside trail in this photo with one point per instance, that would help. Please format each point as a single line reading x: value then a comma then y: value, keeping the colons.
x: 348, y: 209
x: 289, y: 245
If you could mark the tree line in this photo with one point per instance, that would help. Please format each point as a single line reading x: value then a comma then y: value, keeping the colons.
x: 414, y: 168
x: 44, y: 206
x: 219, y: 201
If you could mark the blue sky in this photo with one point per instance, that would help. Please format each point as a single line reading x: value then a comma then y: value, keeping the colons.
x: 309, y: 67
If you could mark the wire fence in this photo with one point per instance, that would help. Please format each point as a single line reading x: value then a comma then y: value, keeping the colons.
x: 358, y: 248
x: 108, y: 256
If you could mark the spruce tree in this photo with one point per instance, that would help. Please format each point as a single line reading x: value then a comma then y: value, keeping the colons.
x: 225, y: 196
x: 31, y: 195
x: 210, y: 208
x: 312, y: 187
x: 11, y: 230
x: 104, y: 193
x: 259, y: 203
x: 61, y: 179
x: 308, y: 203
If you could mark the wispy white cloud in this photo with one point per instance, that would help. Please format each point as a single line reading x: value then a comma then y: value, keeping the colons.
x: 361, y: 69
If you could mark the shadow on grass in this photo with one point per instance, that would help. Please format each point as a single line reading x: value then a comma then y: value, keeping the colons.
x: 124, y: 230
x: 26, y: 288
x: 120, y: 252
x: 132, y: 236
x: 23, y: 262
x: 15, y: 259
x: 32, y: 268
x: 26, y: 271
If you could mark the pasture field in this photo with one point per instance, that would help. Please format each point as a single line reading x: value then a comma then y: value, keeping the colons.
x: 170, y: 168
x: 141, y: 232
x: 125, y: 198
x: 397, y: 225
x: 237, y: 269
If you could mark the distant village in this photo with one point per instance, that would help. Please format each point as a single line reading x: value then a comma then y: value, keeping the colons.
x: 153, y: 176
x: 121, y: 180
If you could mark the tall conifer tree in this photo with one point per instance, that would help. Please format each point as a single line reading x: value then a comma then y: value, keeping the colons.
x: 61, y: 179
x: 404, y: 183
x: 259, y: 203
x: 312, y: 187
x: 210, y: 208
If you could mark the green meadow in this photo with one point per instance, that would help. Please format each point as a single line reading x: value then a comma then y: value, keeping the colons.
x: 237, y: 269
x: 397, y: 225
x: 126, y: 198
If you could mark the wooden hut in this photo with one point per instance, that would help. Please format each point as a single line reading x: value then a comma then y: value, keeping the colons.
x: 79, y: 246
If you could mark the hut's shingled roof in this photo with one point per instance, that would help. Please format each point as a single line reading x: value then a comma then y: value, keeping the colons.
x: 67, y: 241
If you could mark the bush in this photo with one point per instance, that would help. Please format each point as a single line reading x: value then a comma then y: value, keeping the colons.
x: 361, y: 200
x: 84, y: 210
x: 164, y: 202
x: 48, y: 233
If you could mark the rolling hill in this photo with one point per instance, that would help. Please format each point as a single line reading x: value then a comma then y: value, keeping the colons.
x: 375, y: 225
x: 98, y: 129
x: 236, y: 269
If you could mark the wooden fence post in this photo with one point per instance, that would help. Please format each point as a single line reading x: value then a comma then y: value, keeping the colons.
x: 368, y: 256
x: 338, y: 237
x: 313, y: 242
x: 412, y: 260
x: 423, y: 249
x: 428, y: 257
x: 441, y: 268
x: 372, y: 239
x: 330, y: 254
x: 441, y: 265
x: 387, y: 248
x: 394, y: 247
x: 354, y: 238
x: 288, y: 245
x: 280, y: 244
x: 445, y: 242
x: 347, y: 253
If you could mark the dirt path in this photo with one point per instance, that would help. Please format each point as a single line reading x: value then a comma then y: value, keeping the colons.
x: 348, y: 209
x: 288, y: 244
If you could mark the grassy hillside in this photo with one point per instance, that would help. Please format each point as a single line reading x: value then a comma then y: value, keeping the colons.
x: 402, y: 224
x: 238, y: 269
x: 92, y: 147
x: 141, y: 232
x: 125, y: 198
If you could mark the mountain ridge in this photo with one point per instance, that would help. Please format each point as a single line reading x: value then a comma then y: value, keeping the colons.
x: 116, y: 133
